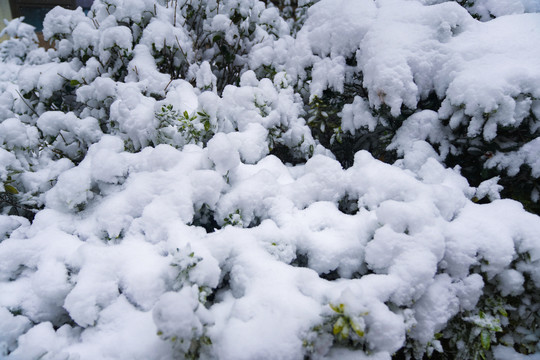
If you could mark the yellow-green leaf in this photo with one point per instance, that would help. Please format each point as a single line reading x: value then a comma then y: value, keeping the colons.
x: 338, y: 326
x: 358, y: 329
x: 485, y: 339
x: 345, y: 332
x: 10, y: 189
x: 339, y: 308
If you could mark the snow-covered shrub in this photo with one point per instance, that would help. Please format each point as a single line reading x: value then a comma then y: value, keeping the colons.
x: 195, y: 182
x: 490, y: 9
x: 294, y: 12
x: 22, y: 40
x: 374, y: 88
x: 180, y: 315
x: 115, y: 70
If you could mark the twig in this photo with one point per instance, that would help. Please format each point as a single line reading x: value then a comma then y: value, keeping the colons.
x: 63, y: 138
x: 169, y: 83
x: 31, y: 108
x: 63, y: 77
x: 96, y: 23
x: 175, y: 5
x: 180, y: 48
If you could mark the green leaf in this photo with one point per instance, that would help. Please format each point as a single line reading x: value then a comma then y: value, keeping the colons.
x: 206, y: 340
x: 485, y: 339
x: 357, y: 328
x: 339, y: 309
x: 10, y: 189
x: 482, y: 354
x: 495, y: 327
x: 339, y: 325
x: 74, y: 83
x: 482, y: 315
x: 345, y: 332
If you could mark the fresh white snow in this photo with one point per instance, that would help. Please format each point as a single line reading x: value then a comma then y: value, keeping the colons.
x: 115, y: 265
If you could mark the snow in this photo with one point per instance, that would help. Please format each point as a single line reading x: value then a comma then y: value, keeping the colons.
x: 62, y: 21
x: 133, y: 272
x: 354, y: 20
x: 507, y: 353
x: 506, y: 75
x: 140, y: 249
x: 134, y: 114
x: 222, y: 152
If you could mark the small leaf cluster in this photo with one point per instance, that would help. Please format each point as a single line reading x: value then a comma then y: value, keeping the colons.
x: 340, y: 328
x: 347, y: 328
x: 180, y: 128
x: 184, y: 260
x: 234, y: 219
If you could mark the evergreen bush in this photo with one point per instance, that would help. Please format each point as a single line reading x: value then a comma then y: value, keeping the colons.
x: 245, y: 179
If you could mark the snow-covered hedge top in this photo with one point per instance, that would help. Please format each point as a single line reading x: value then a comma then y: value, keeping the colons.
x: 171, y: 185
x: 402, y: 261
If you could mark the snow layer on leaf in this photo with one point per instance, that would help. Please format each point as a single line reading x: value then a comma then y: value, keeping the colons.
x: 340, y: 17
x: 492, y: 64
x: 60, y: 21
x: 507, y: 353
x: 512, y: 161
x: 134, y: 114
x: 487, y: 9
x: 402, y: 52
x: 45, y: 79
x: 15, y: 134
